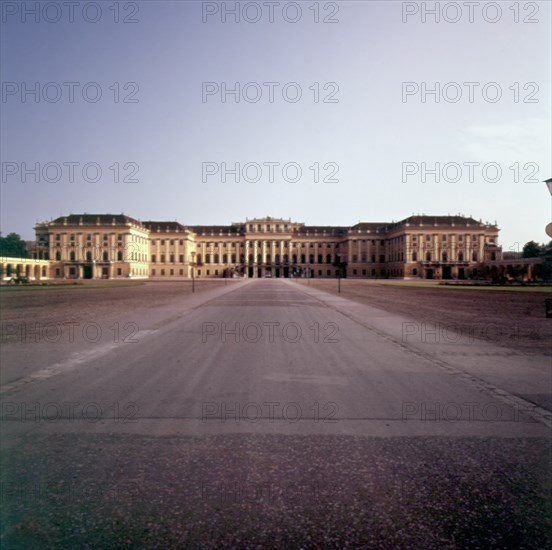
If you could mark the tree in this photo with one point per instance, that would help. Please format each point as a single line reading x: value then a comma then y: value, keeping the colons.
x: 531, y: 250
x: 13, y: 246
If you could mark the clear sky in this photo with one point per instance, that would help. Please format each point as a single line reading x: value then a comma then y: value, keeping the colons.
x: 366, y: 115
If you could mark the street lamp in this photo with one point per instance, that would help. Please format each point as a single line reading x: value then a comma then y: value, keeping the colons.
x: 193, y: 279
x: 549, y: 226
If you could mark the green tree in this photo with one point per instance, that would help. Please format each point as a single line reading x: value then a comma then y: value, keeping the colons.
x: 531, y: 250
x: 13, y: 246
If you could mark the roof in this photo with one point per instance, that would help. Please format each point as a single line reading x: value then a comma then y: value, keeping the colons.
x: 94, y: 219
x: 168, y: 227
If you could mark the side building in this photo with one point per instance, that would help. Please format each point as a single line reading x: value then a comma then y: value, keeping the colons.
x: 86, y: 246
x: 118, y: 246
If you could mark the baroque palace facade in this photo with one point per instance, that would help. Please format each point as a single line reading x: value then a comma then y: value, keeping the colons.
x: 106, y: 246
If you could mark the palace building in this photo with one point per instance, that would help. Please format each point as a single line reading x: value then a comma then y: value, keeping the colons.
x: 116, y: 246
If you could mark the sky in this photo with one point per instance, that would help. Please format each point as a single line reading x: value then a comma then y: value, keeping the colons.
x: 328, y: 113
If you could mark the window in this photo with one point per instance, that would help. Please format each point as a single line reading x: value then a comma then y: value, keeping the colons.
x: 445, y: 257
x: 311, y: 258
x: 320, y: 260
x: 460, y: 256
x: 233, y: 258
x: 172, y: 271
x: 207, y: 259
x: 162, y: 241
x: 373, y: 258
x: 163, y: 272
x: 162, y: 258
x: 414, y: 256
x: 58, y: 237
x: 153, y: 258
x: 328, y: 258
x: 120, y: 237
x: 216, y: 260
x: 72, y: 236
x: 119, y: 271
x: 382, y: 258
x: 355, y: 258
x: 181, y: 259
x: 181, y: 272
x: 72, y: 256
x: 105, y: 256
x: 89, y: 237
x: 120, y: 256
x: 428, y: 256
x: 58, y: 256
x: 172, y: 258
x: 302, y: 258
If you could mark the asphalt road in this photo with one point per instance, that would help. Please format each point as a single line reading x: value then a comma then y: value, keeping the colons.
x: 267, y: 414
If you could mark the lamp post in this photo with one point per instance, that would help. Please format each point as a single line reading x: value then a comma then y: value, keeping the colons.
x: 549, y: 226
x: 193, y: 278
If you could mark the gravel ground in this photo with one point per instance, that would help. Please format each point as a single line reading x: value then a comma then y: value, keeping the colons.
x: 275, y: 491
x: 83, y: 303
x: 508, y: 318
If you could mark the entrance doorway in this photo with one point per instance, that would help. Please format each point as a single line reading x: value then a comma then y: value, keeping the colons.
x: 430, y: 273
x: 87, y: 272
x: 447, y: 272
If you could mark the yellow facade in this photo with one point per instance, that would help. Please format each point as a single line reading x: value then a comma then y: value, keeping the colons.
x: 117, y: 246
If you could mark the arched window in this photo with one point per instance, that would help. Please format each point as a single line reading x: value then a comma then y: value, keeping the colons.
x: 72, y: 255
x: 414, y: 256
x: 460, y: 256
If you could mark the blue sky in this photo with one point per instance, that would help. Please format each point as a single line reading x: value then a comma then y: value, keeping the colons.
x: 165, y: 134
